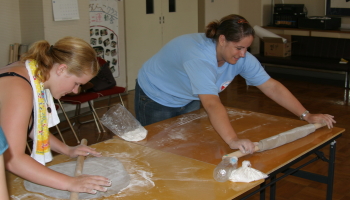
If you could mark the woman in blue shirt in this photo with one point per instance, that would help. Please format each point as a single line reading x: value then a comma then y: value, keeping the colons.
x: 194, y: 68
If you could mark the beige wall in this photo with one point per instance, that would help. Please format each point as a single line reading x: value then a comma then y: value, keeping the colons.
x: 216, y: 9
x: 32, y: 23
x: 26, y: 21
x: 55, y: 30
x: 255, y: 12
x: 10, y: 27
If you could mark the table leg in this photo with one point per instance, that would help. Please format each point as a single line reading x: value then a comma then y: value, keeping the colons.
x: 329, y: 179
x: 331, y: 164
x: 273, y: 188
x: 262, y: 192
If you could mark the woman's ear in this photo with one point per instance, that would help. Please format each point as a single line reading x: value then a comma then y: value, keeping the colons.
x: 222, y: 39
x: 61, y: 68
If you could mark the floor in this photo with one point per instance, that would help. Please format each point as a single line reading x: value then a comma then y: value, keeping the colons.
x: 317, y: 95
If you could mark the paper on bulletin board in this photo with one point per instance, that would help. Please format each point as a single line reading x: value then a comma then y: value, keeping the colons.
x: 65, y: 10
x: 104, y: 32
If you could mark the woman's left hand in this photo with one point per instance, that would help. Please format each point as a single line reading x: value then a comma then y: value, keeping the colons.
x: 321, y: 119
x: 82, y: 150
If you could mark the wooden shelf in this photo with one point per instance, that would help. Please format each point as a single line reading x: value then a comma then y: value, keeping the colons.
x: 342, y: 30
x: 310, y: 31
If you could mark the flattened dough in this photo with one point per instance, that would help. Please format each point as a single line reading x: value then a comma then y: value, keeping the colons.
x: 286, y: 137
x: 108, y: 167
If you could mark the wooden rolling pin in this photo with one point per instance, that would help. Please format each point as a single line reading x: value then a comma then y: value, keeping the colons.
x: 78, y: 171
x: 269, y: 143
x: 280, y: 139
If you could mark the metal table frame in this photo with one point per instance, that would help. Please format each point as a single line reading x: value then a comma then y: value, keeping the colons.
x: 329, y: 179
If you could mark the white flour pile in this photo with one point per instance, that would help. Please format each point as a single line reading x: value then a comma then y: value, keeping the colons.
x: 246, y: 173
x: 135, y: 135
x: 122, y: 123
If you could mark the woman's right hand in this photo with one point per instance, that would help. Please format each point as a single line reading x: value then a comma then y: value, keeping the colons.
x: 244, y: 145
x: 89, y: 184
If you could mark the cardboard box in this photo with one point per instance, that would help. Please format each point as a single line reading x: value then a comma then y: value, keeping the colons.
x: 276, y: 47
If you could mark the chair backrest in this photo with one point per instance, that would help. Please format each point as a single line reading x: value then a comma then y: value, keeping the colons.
x: 104, y: 79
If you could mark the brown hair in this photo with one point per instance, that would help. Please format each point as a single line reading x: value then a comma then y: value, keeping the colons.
x: 77, y: 54
x: 233, y: 27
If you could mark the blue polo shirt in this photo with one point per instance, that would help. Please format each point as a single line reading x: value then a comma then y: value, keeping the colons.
x: 187, y: 66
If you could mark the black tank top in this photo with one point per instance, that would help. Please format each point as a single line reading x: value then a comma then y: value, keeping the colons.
x: 30, y: 128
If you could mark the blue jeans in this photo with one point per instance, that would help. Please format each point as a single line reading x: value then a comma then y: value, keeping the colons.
x: 148, y: 111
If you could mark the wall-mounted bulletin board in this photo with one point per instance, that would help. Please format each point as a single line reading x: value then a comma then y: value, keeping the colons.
x: 338, y: 8
x: 104, y: 36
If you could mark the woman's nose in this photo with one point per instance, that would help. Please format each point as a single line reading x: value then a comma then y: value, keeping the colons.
x: 75, y: 89
x: 242, y: 54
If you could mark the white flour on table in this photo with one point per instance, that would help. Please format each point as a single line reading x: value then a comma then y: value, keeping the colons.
x: 135, y: 135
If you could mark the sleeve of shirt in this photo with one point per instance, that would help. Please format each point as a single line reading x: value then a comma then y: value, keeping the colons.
x: 202, y: 76
x: 253, y: 72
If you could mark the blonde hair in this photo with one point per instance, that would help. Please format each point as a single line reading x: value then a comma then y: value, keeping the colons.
x: 77, y: 54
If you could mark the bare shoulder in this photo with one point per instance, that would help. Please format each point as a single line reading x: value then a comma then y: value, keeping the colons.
x: 15, y: 89
x: 18, y: 68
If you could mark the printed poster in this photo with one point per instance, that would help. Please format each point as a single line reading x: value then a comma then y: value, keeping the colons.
x: 104, y: 32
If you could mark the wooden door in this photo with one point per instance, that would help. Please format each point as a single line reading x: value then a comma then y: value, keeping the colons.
x: 181, y: 21
x: 143, y: 36
x: 147, y: 33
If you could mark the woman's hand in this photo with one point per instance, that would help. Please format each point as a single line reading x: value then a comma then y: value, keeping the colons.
x: 82, y: 150
x: 88, y: 184
x: 321, y: 119
x: 244, y: 145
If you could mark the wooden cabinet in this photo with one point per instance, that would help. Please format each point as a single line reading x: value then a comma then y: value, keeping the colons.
x: 147, y: 33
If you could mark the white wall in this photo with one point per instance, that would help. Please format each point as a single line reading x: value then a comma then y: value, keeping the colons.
x: 216, y: 9
x: 27, y: 21
x: 255, y: 12
x: 32, y: 23
x: 10, y: 28
x: 55, y: 30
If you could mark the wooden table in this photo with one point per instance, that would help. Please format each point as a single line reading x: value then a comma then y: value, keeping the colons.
x: 192, y: 135
x: 177, y: 159
x: 154, y: 175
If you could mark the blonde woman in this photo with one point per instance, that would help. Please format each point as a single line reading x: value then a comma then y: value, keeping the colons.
x: 26, y: 108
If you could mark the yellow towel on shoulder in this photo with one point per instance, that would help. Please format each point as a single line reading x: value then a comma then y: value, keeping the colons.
x: 41, y: 147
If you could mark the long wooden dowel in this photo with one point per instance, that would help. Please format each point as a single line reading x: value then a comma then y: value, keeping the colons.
x: 239, y: 154
x: 78, y: 171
